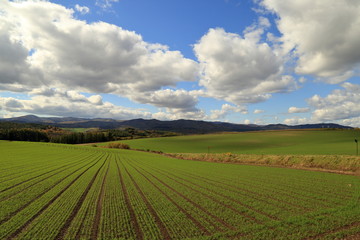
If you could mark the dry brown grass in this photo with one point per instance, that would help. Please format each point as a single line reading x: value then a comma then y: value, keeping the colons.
x: 118, y: 145
x: 332, y: 163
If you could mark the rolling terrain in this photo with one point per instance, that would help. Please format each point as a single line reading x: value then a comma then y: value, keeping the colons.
x: 75, y: 192
x: 178, y: 126
x: 325, y: 142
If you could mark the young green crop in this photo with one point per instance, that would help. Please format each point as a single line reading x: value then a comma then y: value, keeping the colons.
x: 75, y: 192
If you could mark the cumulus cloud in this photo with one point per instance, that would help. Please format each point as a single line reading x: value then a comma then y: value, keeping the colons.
x: 296, y: 121
x: 339, y: 105
x: 70, y: 95
x: 241, y: 69
x: 71, y: 103
x: 298, y: 110
x: 15, y: 68
x: 355, y: 122
x: 42, y: 44
x: 225, y: 110
x: 324, y: 35
x: 61, y: 102
x: 302, y: 80
x: 258, y: 111
x: 247, y: 121
x: 174, y: 114
x: 176, y: 99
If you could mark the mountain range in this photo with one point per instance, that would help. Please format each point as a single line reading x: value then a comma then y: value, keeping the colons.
x: 179, y: 126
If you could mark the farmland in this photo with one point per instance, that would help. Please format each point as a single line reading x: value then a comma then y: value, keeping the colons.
x: 78, y: 192
x: 263, y: 142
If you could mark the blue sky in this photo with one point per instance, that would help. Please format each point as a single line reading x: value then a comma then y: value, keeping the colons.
x: 249, y: 61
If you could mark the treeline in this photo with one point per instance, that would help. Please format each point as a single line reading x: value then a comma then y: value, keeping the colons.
x: 23, y: 134
x: 36, y: 135
x: 131, y: 133
x: 41, y: 133
x: 107, y: 135
x: 77, y: 138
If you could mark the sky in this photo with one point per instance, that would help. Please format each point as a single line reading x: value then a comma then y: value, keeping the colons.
x: 240, y: 61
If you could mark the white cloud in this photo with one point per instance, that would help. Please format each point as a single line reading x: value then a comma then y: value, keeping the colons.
x: 174, y: 99
x: 42, y: 44
x: 15, y: 69
x: 258, y: 111
x: 71, y: 103
x: 298, y: 110
x: 324, y: 35
x: 296, y: 121
x: 61, y: 102
x: 354, y: 122
x: 95, y: 99
x: 82, y: 9
x: 163, y: 116
x: 302, y: 80
x: 225, y: 110
x: 70, y: 95
x: 247, y: 121
x: 241, y: 69
x: 174, y: 114
x: 341, y: 104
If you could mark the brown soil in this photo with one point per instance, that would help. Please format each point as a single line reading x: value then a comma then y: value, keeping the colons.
x: 96, y: 223
x: 217, y: 219
x: 133, y: 219
x: 78, y: 205
x: 221, y: 203
x: 346, y: 227
x: 40, y: 195
x: 164, y: 232
x: 27, y: 223
x: 188, y: 215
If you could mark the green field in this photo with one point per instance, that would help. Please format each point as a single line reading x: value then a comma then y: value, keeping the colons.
x: 263, y: 142
x: 80, y: 130
x: 50, y: 191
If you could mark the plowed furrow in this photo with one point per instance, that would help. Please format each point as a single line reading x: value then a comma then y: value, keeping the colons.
x: 78, y: 205
x: 188, y: 215
x: 27, y: 223
x: 19, y: 174
x: 219, y: 194
x: 42, y: 168
x: 41, y: 180
x: 214, y: 217
x: 133, y: 219
x: 27, y: 180
x: 164, y: 232
x: 298, y: 194
x: 253, y: 219
x: 250, y: 194
x: 78, y: 232
x: 96, y: 223
x: 339, y: 229
x: 10, y: 215
x: 253, y: 195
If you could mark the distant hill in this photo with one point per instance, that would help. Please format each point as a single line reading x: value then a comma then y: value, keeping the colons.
x: 179, y: 126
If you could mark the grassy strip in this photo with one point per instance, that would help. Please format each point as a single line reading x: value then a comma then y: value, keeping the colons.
x: 332, y: 163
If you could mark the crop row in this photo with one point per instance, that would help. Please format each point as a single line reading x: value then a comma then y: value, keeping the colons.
x: 93, y: 193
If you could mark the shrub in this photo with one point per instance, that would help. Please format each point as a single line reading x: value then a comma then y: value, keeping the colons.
x: 118, y: 145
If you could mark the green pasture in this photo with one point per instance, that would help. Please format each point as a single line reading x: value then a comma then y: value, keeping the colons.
x: 79, y: 130
x: 55, y: 191
x: 324, y: 142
